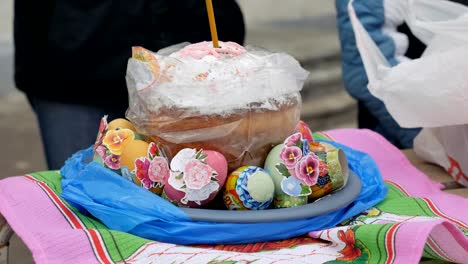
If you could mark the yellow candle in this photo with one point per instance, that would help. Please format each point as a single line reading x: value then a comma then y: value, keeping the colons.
x: 211, y: 18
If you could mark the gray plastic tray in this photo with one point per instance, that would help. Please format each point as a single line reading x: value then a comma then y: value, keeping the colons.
x: 325, y: 205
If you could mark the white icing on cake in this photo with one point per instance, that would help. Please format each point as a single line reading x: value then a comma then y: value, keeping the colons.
x: 215, y: 84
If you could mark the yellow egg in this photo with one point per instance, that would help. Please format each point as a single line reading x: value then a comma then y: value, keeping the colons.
x: 120, y: 123
x: 134, y: 150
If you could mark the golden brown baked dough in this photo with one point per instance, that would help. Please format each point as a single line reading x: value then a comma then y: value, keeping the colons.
x: 244, y: 138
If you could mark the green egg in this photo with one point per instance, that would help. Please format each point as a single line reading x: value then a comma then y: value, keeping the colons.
x: 281, y: 199
x: 272, y: 160
x: 261, y: 187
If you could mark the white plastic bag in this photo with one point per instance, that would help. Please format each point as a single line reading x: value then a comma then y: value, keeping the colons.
x: 429, y: 92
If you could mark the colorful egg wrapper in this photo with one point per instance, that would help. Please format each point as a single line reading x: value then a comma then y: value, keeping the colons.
x: 287, y: 201
x: 236, y: 193
x: 150, y: 171
x: 307, y: 134
x: 193, y: 181
x: 305, y: 131
x: 333, y: 173
x: 158, y: 71
x: 298, y: 166
x: 110, y: 144
x: 300, y: 172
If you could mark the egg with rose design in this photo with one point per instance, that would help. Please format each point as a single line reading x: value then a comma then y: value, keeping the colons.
x: 145, y: 165
x: 196, y: 177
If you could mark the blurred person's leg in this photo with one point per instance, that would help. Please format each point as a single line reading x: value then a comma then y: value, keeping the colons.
x: 67, y: 128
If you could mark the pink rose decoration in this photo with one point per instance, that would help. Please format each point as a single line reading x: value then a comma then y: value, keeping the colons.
x: 179, y: 161
x: 290, y: 156
x: 197, y: 174
x: 307, y: 169
x: 158, y: 170
x: 293, y: 139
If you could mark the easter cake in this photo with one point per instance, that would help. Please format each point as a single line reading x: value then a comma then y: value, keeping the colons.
x: 234, y: 100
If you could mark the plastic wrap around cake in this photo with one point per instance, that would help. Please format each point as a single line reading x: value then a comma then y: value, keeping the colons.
x: 238, y: 101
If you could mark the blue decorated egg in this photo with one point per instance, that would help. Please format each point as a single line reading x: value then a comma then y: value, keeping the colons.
x: 248, y: 188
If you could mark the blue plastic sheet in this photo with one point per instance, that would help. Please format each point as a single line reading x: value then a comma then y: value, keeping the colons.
x: 124, y: 206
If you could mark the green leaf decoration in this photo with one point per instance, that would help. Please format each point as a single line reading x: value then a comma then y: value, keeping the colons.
x: 199, y: 153
x: 214, y: 174
x: 306, y: 190
x: 203, y: 157
x: 299, y: 144
x: 282, y: 169
x: 322, y: 155
x: 179, y: 177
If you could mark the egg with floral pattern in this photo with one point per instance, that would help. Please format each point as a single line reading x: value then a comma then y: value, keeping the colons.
x: 196, y: 177
x: 287, y: 188
x: 142, y: 163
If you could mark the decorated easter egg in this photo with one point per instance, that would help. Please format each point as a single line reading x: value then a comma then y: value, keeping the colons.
x: 307, y: 134
x: 111, y: 140
x: 196, y: 177
x: 142, y: 163
x: 121, y: 123
x: 134, y: 150
x: 305, y: 131
x: 103, y: 127
x: 294, y: 169
x: 333, y: 172
x: 275, y: 170
x: 110, y: 144
x: 248, y: 188
x: 300, y: 173
x: 119, y: 148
